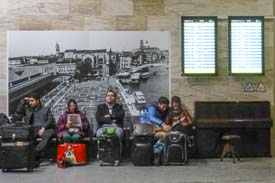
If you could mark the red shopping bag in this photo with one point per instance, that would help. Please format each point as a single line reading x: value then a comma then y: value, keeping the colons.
x: 75, y: 154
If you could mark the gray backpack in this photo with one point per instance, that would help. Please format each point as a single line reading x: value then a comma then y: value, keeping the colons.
x: 143, y: 129
x: 4, y: 120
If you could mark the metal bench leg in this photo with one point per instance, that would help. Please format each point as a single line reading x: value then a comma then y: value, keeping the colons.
x: 233, y: 152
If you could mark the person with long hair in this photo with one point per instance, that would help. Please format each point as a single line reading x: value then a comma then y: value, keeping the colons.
x: 180, y: 119
x: 72, y: 125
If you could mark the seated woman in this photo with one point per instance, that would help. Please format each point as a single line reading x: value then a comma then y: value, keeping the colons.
x: 72, y: 125
x: 180, y: 119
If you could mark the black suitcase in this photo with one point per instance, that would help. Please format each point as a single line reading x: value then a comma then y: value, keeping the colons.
x: 109, y: 150
x: 17, y: 147
x: 142, y: 153
x: 175, y: 152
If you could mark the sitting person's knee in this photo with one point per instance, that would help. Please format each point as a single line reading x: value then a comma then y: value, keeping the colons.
x: 66, y: 137
x: 160, y: 135
x: 76, y: 138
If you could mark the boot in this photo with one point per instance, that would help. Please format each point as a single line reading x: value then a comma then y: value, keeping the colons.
x: 36, y: 159
x: 156, y: 159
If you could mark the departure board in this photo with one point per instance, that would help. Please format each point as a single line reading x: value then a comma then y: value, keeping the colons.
x: 246, y: 45
x: 199, y: 45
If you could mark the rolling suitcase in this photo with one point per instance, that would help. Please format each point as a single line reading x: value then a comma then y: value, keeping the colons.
x: 175, y: 152
x: 17, y: 147
x: 142, y: 153
x: 109, y: 149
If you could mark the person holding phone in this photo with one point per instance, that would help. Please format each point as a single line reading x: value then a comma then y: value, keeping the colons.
x: 158, y: 114
x: 180, y: 119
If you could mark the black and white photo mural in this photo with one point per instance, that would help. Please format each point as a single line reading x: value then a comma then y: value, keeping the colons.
x: 83, y: 65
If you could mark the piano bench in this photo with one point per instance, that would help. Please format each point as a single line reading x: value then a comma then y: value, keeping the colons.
x: 229, y: 141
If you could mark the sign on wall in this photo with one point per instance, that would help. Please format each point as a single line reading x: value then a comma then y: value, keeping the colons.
x: 246, y: 45
x: 199, y: 45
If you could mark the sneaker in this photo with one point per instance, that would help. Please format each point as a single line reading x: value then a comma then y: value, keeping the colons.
x: 36, y: 160
x: 156, y: 159
x: 190, y: 141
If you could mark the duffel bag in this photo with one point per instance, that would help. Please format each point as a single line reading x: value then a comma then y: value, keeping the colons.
x: 16, y: 132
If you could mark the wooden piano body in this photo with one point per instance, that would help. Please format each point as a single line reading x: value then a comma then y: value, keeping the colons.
x: 249, y: 119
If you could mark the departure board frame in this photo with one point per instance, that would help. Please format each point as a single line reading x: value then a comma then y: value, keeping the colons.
x: 231, y: 70
x: 198, y: 71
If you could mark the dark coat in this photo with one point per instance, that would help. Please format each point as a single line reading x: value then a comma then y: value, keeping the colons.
x: 116, y: 117
x: 25, y: 113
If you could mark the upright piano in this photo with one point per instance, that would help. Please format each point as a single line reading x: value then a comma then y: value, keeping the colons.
x: 249, y: 119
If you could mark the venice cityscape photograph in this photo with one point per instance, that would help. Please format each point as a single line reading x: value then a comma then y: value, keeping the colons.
x: 83, y: 65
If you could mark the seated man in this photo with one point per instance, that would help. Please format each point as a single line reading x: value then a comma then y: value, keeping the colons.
x: 40, y: 117
x: 158, y: 114
x: 110, y: 114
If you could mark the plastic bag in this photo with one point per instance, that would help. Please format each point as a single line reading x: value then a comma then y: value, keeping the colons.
x: 109, y: 131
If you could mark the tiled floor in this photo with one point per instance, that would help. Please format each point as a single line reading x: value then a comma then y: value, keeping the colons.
x: 197, y: 171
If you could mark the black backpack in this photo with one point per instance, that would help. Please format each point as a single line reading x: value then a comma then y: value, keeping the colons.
x: 4, y: 119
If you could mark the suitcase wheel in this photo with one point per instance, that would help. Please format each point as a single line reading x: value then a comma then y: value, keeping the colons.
x: 116, y: 163
x: 101, y: 163
x: 4, y: 169
x: 30, y: 169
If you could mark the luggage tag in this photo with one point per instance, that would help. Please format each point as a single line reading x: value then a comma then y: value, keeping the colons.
x: 19, y: 144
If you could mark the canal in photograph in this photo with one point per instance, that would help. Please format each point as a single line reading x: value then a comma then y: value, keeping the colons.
x: 155, y: 86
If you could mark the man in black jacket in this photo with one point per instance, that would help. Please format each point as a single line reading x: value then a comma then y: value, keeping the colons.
x: 110, y: 114
x: 31, y: 111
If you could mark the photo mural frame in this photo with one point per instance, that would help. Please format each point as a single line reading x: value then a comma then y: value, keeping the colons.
x: 83, y: 65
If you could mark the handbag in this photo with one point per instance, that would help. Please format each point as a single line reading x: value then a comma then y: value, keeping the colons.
x: 75, y: 154
x: 63, y: 163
